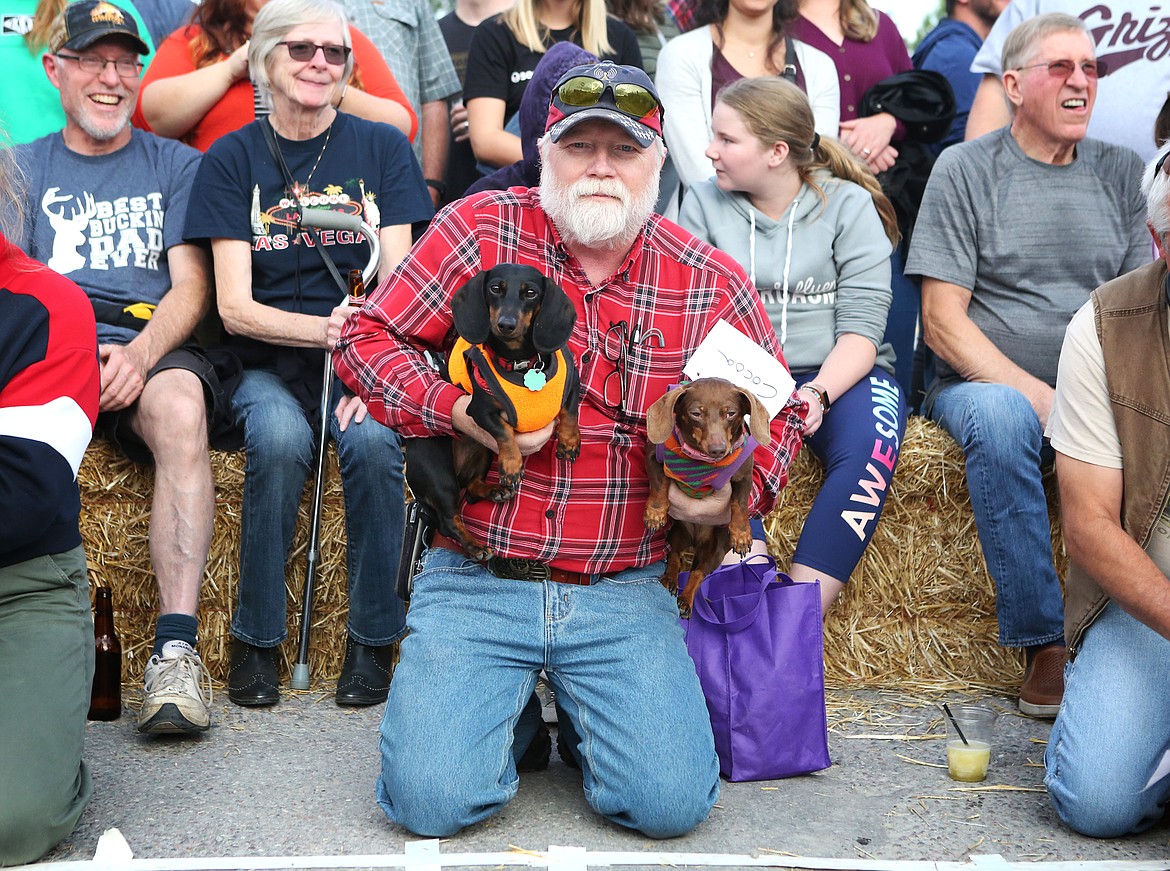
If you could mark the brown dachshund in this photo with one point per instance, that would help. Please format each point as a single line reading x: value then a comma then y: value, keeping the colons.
x: 696, y: 433
x: 513, y: 325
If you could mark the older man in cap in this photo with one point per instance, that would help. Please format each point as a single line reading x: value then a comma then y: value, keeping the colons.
x: 1016, y: 230
x: 601, y: 625
x: 107, y: 205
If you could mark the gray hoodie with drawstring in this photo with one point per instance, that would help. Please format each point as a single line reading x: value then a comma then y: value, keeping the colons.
x: 823, y: 269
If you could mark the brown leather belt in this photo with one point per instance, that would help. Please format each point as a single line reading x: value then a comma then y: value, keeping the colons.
x: 514, y: 569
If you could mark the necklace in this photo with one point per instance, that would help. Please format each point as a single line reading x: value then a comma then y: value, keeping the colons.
x: 299, y: 190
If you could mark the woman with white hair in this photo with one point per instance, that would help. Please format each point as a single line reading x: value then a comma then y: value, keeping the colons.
x: 280, y: 305
x: 198, y: 86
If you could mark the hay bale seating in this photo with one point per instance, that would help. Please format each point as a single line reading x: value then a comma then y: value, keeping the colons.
x: 919, y: 613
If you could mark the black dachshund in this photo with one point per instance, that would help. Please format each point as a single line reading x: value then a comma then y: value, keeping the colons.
x: 512, y: 357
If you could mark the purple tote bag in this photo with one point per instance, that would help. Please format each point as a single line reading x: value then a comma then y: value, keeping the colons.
x: 756, y: 640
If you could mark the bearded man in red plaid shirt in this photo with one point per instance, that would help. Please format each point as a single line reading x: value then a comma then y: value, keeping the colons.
x: 603, y: 629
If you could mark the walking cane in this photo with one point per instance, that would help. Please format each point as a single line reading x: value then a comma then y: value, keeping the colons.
x: 326, y: 220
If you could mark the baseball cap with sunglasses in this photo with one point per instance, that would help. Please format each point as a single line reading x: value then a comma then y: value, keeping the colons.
x: 303, y: 50
x: 1063, y: 69
x: 621, y: 94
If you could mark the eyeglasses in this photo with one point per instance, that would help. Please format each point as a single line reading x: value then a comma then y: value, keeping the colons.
x: 619, y: 344
x: 127, y: 68
x: 335, y: 55
x: 1161, y: 161
x: 583, y: 91
x: 1062, y: 69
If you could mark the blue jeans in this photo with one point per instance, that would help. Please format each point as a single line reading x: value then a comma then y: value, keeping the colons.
x: 1002, y: 440
x: 280, y: 446
x: 615, y: 656
x: 1112, y: 730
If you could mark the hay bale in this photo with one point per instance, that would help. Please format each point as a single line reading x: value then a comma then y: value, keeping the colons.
x: 919, y: 612
x: 115, y: 526
x: 920, y: 608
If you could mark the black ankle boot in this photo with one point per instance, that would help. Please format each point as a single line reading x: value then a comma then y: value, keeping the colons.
x: 254, y: 679
x: 365, y: 675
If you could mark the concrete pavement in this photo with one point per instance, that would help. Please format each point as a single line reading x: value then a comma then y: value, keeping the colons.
x: 298, y: 779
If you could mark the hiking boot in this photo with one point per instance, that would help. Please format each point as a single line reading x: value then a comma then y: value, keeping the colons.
x: 1043, y: 686
x: 178, y: 692
x: 254, y: 679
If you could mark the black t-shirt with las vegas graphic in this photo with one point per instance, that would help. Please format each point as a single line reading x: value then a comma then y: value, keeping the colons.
x: 365, y: 168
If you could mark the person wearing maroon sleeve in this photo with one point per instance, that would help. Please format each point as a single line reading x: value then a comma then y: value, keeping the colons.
x: 606, y: 632
x: 49, y: 385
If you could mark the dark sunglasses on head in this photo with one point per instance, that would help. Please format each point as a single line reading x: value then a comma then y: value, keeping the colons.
x: 584, y: 91
x: 335, y: 55
x: 1062, y: 69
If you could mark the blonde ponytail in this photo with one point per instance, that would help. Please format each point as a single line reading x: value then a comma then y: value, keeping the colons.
x: 775, y: 110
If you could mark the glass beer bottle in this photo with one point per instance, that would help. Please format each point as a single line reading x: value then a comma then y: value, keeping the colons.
x: 357, y: 287
x: 105, y: 701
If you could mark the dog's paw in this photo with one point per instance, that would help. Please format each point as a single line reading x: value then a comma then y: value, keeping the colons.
x: 501, y: 494
x: 741, y: 544
x: 684, y: 608
x: 481, y: 553
x: 654, y: 517
x: 568, y: 450
x: 510, y: 481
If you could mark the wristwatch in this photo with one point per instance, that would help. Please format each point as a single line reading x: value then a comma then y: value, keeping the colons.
x: 439, y: 186
x: 820, y: 393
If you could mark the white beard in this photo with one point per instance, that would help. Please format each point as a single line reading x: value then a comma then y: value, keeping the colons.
x: 597, y: 223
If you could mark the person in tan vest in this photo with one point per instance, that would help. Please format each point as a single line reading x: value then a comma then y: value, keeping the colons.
x: 1107, y: 754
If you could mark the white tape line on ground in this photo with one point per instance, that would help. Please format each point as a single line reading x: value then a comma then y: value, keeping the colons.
x: 424, y: 855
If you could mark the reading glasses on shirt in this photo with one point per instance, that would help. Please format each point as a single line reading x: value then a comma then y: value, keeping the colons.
x: 127, y: 67
x: 1062, y: 69
x: 335, y: 55
x: 583, y: 91
x: 618, y: 343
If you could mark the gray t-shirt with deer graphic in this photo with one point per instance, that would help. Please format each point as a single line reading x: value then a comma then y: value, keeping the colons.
x: 108, y: 221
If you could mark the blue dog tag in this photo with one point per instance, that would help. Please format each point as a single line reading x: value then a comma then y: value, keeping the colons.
x: 534, y: 380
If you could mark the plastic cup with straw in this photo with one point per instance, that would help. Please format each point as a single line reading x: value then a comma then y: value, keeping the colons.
x: 969, y: 729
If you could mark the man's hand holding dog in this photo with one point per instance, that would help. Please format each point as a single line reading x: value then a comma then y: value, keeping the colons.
x: 528, y: 442
x: 713, y: 509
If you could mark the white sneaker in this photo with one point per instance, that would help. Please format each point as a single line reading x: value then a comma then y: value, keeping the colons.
x: 178, y: 691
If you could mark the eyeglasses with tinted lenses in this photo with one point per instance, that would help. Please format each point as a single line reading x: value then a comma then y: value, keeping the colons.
x: 1062, y: 69
x: 128, y: 68
x: 583, y: 91
x: 335, y: 55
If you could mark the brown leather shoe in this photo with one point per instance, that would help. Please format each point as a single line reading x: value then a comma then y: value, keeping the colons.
x: 1043, y: 686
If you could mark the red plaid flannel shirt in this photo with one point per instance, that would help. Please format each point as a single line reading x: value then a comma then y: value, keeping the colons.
x: 586, y: 515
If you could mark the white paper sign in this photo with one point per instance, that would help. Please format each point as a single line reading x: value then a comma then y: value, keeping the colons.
x: 728, y: 353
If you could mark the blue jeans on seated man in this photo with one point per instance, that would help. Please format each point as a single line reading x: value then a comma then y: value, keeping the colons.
x: 280, y: 445
x: 615, y: 656
x: 1002, y: 440
x: 1112, y: 731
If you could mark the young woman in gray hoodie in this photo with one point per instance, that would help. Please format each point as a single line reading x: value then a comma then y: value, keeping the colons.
x: 814, y: 231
